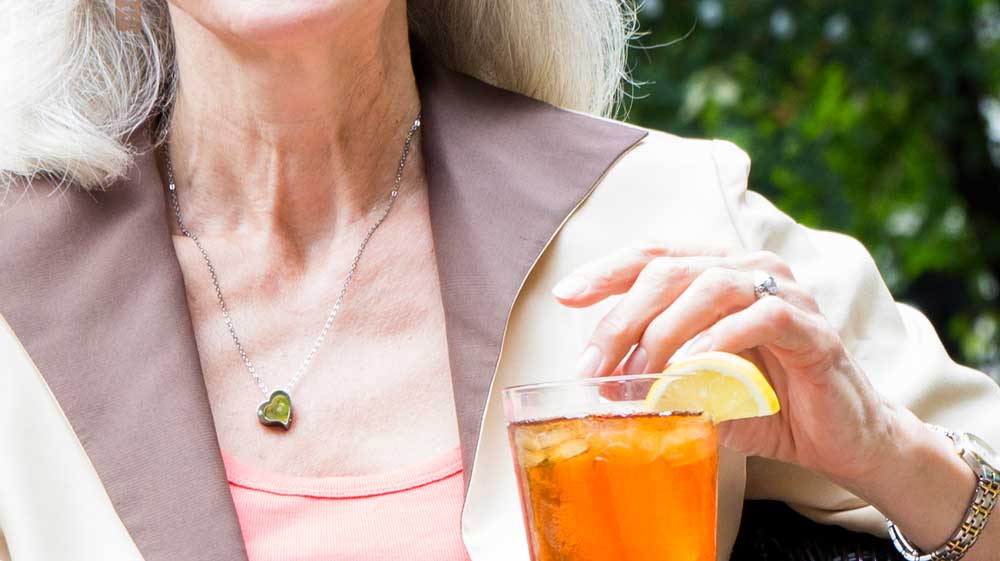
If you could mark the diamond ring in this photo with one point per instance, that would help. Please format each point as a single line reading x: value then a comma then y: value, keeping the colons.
x: 764, y: 285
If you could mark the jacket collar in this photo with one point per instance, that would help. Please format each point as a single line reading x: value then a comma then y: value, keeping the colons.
x: 503, y: 172
x: 92, y: 287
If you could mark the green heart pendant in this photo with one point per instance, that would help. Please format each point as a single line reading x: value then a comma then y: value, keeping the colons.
x: 276, y: 410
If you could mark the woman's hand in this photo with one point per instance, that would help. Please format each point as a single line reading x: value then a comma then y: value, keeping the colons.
x: 831, y: 420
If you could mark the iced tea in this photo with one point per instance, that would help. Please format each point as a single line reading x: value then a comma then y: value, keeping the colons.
x: 618, y: 487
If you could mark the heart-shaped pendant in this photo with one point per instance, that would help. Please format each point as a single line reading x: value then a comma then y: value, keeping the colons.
x: 276, y: 410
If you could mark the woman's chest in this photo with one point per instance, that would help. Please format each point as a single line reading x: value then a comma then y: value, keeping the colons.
x: 377, y: 392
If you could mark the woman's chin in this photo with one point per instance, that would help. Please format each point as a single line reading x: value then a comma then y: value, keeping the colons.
x: 273, y: 23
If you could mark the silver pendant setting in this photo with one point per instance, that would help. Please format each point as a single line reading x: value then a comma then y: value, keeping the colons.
x: 276, y: 409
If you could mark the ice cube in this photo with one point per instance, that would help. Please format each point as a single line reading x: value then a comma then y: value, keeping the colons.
x: 553, y: 437
x: 568, y: 449
x: 530, y: 458
x: 527, y: 439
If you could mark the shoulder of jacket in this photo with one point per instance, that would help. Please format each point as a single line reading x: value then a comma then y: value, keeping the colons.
x: 727, y: 157
x: 661, y: 150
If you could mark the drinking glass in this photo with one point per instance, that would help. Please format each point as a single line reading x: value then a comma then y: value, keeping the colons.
x: 601, y: 478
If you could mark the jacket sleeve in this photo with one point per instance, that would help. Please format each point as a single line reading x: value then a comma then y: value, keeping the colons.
x: 895, y: 344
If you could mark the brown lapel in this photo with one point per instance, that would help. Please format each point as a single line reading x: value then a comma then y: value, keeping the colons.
x: 92, y: 287
x: 503, y: 171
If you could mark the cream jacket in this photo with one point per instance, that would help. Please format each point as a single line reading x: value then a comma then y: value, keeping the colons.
x: 109, y: 451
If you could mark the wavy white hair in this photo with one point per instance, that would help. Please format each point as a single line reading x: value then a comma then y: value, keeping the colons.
x: 73, y: 87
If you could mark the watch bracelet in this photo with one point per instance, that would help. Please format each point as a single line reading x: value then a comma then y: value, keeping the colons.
x: 985, y: 498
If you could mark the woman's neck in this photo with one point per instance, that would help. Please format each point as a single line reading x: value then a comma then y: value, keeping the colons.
x: 291, y: 140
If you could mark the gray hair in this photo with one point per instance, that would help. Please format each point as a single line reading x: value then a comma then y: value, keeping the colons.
x: 74, y: 87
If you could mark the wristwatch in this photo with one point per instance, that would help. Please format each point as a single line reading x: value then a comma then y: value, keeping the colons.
x: 986, y: 465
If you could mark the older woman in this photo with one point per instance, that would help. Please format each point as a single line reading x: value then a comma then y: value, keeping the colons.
x: 266, y: 266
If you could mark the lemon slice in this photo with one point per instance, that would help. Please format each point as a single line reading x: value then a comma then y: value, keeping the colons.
x: 723, y: 385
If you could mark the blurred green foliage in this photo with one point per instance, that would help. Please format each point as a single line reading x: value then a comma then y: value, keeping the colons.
x: 878, y: 119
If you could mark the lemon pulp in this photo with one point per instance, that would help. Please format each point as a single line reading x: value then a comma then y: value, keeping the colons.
x: 723, y: 385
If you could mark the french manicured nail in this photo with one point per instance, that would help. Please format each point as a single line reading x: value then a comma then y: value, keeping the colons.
x: 636, y: 364
x: 694, y: 345
x: 699, y: 344
x: 570, y: 287
x: 590, y: 359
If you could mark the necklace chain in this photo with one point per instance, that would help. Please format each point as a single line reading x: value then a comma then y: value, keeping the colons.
x: 172, y: 188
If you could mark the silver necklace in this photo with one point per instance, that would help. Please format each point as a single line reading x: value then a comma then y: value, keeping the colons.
x: 276, y: 409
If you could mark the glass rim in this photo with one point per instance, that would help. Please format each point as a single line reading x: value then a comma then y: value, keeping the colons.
x: 592, y: 381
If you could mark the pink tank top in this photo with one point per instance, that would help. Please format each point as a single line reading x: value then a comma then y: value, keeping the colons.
x: 412, y: 513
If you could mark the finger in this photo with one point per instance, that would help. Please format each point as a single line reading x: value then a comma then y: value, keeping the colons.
x: 613, y: 391
x: 615, y: 273
x: 715, y: 294
x: 655, y: 288
x: 797, y: 338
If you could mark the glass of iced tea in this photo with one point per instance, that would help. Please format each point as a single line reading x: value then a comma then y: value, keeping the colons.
x: 604, y: 479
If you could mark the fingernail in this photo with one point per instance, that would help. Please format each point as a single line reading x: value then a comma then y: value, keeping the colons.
x: 590, y: 359
x: 700, y: 344
x: 570, y: 287
x: 636, y: 363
